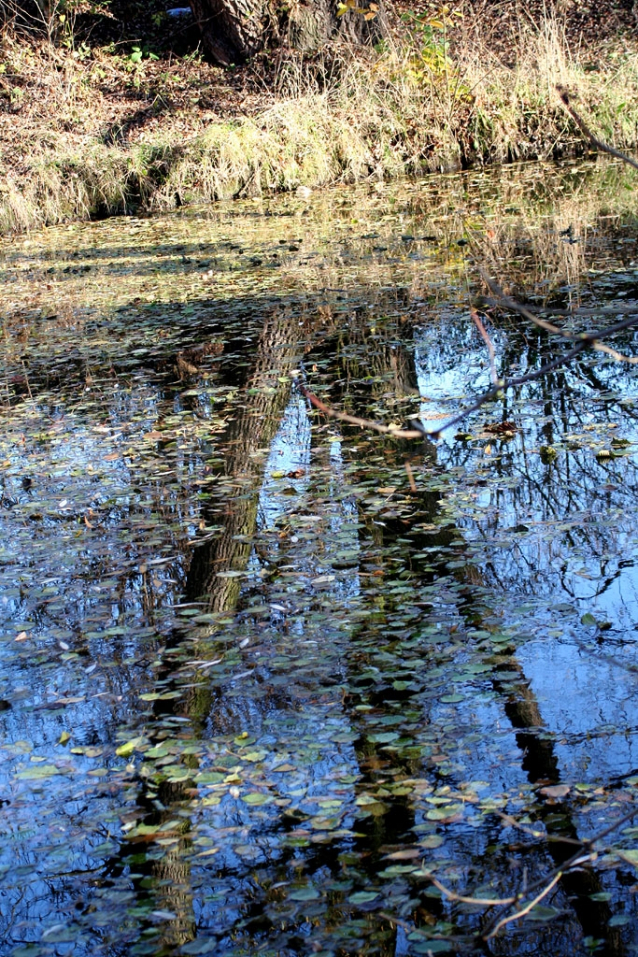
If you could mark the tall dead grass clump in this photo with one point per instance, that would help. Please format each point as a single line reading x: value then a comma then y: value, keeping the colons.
x: 371, y: 118
x: 514, y: 113
x: 63, y: 187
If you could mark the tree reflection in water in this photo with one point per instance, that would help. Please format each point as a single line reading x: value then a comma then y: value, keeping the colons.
x: 331, y: 684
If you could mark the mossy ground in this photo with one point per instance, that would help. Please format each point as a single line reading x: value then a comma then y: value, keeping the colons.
x: 94, y: 124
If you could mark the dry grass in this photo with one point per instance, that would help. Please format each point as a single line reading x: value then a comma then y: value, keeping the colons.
x: 407, y: 109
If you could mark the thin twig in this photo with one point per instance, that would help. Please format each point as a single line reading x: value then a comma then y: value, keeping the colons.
x: 618, y: 309
x: 26, y: 379
x: 410, y: 475
x: 482, y: 901
x: 476, y: 319
x: 581, y: 340
x: 578, y: 858
x: 527, y: 908
x: 509, y: 384
x: 618, y: 356
x: 512, y: 822
x: 355, y: 420
x: 590, y: 337
x: 589, y: 842
x: 584, y: 340
x: 506, y: 301
x: 580, y: 123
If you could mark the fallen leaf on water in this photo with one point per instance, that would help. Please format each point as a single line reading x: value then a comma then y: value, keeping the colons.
x: 501, y: 428
x: 304, y: 894
x: 125, y: 750
x: 406, y: 855
x: 556, y: 791
x: 362, y: 897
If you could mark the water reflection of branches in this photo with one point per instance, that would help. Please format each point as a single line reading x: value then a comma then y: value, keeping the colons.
x: 585, y: 341
x: 588, y: 845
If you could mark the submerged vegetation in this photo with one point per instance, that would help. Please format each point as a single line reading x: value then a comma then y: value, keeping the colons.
x: 443, y: 91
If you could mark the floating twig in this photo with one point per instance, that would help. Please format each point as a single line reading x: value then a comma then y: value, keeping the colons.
x: 410, y: 475
x: 584, y: 855
x: 528, y: 907
x: 479, y: 901
x: 356, y: 420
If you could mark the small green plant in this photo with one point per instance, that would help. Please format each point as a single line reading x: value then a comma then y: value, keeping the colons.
x: 138, y: 54
x: 82, y: 52
x: 136, y: 62
x: 429, y: 37
x: 195, y: 56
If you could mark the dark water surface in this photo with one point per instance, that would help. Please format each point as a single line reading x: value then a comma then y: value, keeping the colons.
x: 269, y: 682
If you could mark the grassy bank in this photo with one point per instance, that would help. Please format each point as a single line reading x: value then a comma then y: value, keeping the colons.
x: 437, y: 96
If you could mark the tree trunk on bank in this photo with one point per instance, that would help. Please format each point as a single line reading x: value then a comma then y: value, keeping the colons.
x: 234, y: 30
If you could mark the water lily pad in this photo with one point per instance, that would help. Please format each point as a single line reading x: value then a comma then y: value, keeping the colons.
x: 363, y: 897
x: 542, y: 913
x: 304, y: 894
x: 38, y: 772
x: 383, y: 737
x: 619, y: 920
x: 432, y: 947
x: 256, y: 798
x: 210, y: 777
x: 199, y: 946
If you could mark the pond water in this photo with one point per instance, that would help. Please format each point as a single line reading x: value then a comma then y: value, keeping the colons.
x: 274, y: 684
